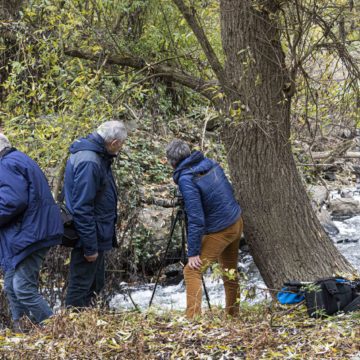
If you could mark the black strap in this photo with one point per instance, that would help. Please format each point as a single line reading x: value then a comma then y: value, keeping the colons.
x: 353, y: 306
x: 61, y: 196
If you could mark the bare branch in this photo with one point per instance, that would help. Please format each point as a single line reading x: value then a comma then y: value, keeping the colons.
x: 112, y: 59
x: 189, y: 15
x: 209, y: 89
x: 338, y: 46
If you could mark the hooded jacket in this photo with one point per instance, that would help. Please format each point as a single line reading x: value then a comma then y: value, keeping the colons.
x: 29, y: 217
x: 209, y: 199
x: 90, y: 193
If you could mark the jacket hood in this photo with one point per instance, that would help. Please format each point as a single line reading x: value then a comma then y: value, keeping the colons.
x: 93, y: 142
x: 196, y: 163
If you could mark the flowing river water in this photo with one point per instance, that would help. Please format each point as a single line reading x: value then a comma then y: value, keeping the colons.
x: 253, y: 288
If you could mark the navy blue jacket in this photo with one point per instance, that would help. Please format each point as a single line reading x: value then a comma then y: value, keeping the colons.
x: 209, y: 199
x: 90, y: 193
x: 29, y: 217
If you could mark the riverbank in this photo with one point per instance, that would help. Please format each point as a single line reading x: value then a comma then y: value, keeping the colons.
x: 261, y: 332
x: 170, y: 295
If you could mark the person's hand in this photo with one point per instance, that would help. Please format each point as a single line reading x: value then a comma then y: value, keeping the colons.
x: 194, y: 262
x: 91, y: 258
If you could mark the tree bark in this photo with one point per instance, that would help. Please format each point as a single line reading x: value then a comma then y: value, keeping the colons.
x: 284, y: 235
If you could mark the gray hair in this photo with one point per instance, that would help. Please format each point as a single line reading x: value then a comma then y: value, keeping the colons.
x: 112, y: 130
x: 4, y: 142
x: 176, y: 151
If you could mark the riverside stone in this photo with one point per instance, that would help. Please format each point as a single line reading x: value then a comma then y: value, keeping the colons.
x: 344, y: 207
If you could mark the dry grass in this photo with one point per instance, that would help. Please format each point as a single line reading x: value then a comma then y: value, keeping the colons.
x: 260, y: 333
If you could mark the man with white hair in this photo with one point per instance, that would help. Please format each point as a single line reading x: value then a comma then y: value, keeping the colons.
x: 30, y: 223
x: 91, y: 197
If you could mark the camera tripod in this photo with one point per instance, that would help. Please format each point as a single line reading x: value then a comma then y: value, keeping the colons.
x: 180, y: 218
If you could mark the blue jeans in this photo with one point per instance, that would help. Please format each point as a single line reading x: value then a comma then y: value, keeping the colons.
x: 21, y: 287
x: 86, y: 279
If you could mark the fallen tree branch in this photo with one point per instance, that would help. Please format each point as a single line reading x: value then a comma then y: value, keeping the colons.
x: 314, y: 164
x: 325, y: 154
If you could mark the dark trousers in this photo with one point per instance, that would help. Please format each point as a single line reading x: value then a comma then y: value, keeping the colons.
x: 86, y: 279
x: 21, y: 287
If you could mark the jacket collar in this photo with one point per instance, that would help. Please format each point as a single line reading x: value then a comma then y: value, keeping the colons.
x: 6, y: 151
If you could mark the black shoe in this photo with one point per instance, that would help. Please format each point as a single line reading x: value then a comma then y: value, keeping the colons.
x: 17, y: 328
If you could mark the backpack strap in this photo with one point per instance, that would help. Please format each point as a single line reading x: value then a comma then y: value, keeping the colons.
x: 353, y: 306
x: 331, y: 287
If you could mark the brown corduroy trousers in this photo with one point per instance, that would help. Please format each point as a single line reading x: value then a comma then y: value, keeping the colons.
x: 223, y: 247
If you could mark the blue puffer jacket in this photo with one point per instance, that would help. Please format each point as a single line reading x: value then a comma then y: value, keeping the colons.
x: 29, y: 218
x: 209, y: 199
x: 90, y: 193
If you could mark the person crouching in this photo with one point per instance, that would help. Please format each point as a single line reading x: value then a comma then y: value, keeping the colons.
x: 214, y: 223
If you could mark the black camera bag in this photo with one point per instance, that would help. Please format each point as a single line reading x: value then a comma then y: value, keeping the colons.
x: 70, y: 236
x: 331, y: 296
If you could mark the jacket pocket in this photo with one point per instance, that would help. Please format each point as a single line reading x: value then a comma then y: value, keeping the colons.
x: 105, y: 230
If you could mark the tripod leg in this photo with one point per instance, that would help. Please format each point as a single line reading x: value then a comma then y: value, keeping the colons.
x: 164, y: 257
x: 206, y: 293
x: 183, y: 240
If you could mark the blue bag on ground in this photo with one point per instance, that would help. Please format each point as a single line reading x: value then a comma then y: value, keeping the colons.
x: 291, y: 293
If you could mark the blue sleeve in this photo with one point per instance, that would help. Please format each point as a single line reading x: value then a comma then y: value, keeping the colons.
x: 13, y: 195
x: 86, y: 185
x: 195, y: 214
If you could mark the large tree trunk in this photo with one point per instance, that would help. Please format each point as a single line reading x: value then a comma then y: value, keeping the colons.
x: 284, y: 235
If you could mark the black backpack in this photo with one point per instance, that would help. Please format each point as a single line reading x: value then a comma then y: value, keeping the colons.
x: 328, y: 296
